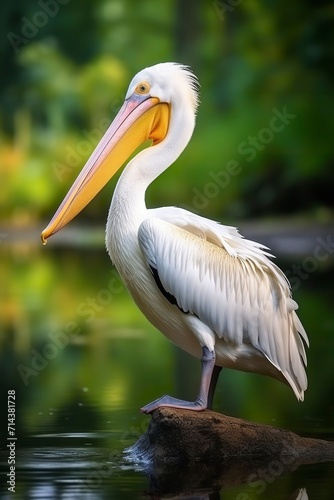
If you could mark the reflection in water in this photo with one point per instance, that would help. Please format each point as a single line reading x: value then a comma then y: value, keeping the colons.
x: 77, y: 405
x: 75, y: 464
x: 175, y: 480
x: 67, y: 472
x: 53, y: 470
x: 301, y: 494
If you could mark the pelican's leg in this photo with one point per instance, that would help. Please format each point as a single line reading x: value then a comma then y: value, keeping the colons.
x: 201, y: 402
x: 214, y: 379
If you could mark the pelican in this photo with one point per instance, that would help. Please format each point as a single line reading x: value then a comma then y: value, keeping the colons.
x: 213, y: 293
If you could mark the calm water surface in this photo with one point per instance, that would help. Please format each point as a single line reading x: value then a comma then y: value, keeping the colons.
x: 57, y: 461
x: 82, y: 361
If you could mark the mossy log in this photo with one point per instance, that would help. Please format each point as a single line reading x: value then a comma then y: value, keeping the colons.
x: 182, y: 450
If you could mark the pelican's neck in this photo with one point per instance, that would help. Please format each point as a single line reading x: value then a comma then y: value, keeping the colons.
x: 128, y: 201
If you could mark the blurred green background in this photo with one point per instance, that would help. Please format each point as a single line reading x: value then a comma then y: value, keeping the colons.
x: 70, y: 335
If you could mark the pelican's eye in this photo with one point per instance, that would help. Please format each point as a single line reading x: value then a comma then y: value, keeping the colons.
x: 142, y: 88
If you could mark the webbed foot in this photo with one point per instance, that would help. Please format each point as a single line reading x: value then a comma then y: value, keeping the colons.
x: 210, y: 373
x: 197, y: 405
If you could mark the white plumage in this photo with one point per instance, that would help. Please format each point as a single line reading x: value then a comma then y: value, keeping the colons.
x: 232, y: 286
x: 215, y: 294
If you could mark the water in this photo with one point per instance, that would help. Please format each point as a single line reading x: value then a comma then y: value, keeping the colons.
x: 59, y: 463
x: 82, y: 361
x: 55, y: 461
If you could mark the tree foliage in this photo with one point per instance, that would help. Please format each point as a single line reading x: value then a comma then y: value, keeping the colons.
x: 67, y: 63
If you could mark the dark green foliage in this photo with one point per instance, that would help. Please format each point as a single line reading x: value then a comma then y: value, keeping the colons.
x: 67, y: 63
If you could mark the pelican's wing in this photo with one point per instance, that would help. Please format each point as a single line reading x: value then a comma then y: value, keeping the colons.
x: 229, y: 283
x: 214, y: 232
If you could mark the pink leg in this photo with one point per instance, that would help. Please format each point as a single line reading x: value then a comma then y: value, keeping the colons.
x: 206, y: 390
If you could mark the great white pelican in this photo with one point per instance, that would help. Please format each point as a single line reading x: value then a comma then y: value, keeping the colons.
x: 213, y: 293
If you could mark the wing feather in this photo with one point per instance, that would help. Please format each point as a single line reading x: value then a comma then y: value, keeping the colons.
x: 229, y: 283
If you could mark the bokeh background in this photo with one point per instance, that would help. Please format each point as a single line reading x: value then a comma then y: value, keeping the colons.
x: 73, y: 345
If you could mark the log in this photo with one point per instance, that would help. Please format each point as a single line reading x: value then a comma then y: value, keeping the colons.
x: 183, y: 436
x: 182, y: 450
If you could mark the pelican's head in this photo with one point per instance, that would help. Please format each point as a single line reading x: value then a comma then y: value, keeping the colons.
x: 169, y: 82
x: 146, y: 114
